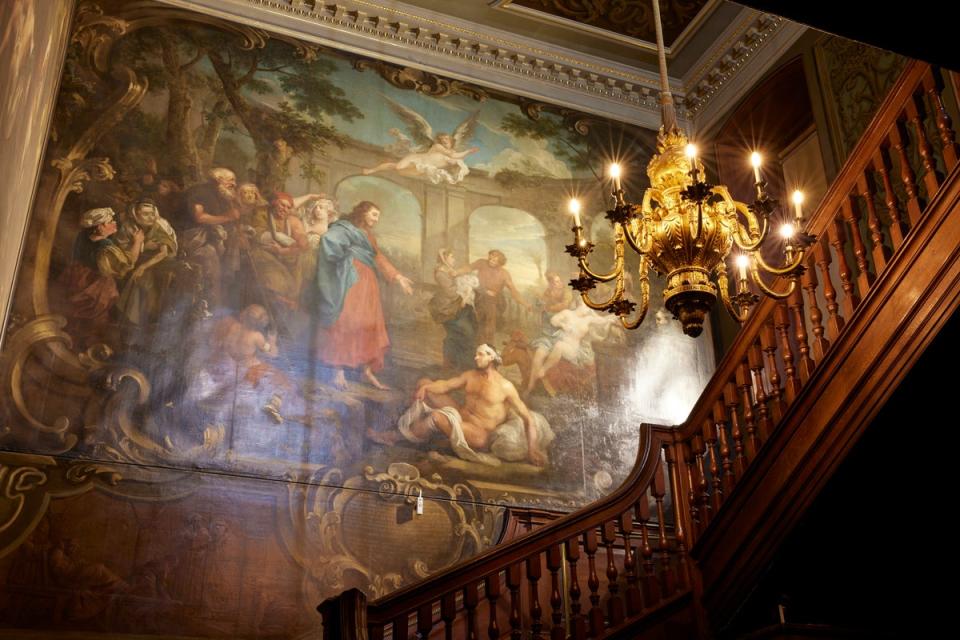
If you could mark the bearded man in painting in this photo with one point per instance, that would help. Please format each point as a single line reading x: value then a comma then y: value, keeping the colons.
x: 494, y: 278
x: 212, y: 209
x: 492, y: 417
x: 352, y: 331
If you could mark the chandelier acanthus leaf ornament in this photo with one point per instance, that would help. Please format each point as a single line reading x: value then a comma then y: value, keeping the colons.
x: 685, y: 229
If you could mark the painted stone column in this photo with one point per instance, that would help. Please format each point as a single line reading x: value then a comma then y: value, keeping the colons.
x: 33, y: 42
x: 434, y: 229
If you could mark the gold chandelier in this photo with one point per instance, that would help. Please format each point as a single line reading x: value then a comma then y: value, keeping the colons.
x: 685, y: 229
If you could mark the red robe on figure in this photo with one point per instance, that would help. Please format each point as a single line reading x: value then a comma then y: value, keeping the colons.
x: 358, y: 335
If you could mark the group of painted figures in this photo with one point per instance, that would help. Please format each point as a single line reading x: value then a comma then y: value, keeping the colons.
x: 294, y: 257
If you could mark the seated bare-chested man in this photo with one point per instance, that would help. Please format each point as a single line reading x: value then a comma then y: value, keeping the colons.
x: 489, y: 398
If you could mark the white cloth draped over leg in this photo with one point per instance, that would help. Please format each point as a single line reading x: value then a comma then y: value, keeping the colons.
x: 508, y: 442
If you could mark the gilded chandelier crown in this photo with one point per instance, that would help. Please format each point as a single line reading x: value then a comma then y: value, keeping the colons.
x: 685, y: 229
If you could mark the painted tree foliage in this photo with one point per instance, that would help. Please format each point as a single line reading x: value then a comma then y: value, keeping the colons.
x: 278, y: 95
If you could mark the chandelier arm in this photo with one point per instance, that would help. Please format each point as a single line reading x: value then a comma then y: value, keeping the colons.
x: 640, y: 245
x: 754, y: 223
x: 618, y: 260
x: 763, y: 226
x: 777, y: 295
x: 603, y: 306
x: 644, y: 296
x: 781, y: 271
x: 600, y: 277
x: 723, y: 285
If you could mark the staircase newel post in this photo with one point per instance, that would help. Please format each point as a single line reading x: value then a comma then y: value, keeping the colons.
x: 345, y: 616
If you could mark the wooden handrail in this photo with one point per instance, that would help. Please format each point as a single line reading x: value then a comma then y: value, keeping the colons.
x: 882, y: 194
x: 496, y: 558
x: 859, y: 158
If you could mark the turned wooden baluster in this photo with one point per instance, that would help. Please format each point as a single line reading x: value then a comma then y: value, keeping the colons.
x: 805, y: 363
x: 514, y: 576
x: 821, y: 252
x: 741, y: 455
x: 493, y: 594
x: 401, y: 627
x: 632, y: 592
x: 764, y: 423
x: 703, y: 495
x: 768, y: 342
x: 554, y: 562
x: 667, y: 573
x: 781, y: 323
x: 851, y: 214
x: 448, y: 613
x: 838, y: 238
x: 593, y: 582
x: 932, y: 86
x: 906, y: 175
x: 720, y: 424
x: 810, y: 285
x: 746, y: 402
x: 696, y: 524
x: 536, y: 613
x: 608, y: 534
x: 880, y: 251
x: 651, y: 587
x: 716, y: 482
x: 923, y: 147
x: 881, y: 163
x: 470, y: 600
x: 578, y: 623
x: 424, y: 621
x: 673, y: 459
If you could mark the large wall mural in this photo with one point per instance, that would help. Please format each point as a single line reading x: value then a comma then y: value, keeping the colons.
x: 275, y: 291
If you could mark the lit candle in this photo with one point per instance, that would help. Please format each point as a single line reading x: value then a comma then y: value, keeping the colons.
x: 692, y: 155
x: 574, y: 207
x: 797, y: 202
x: 787, y: 231
x: 742, y: 262
x: 755, y: 160
x: 615, y: 174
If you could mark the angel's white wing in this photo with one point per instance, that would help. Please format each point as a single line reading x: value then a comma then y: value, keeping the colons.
x: 417, y: 125
x: 464, y: 132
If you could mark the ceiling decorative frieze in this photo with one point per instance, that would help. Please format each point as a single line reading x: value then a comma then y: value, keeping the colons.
x: 460, y: 49
x: 741, y: 42
x: 631, y: 19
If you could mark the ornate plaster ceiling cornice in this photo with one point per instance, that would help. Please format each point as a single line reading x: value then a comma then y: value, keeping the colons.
x: 744, y: 52
x: 444, y: 44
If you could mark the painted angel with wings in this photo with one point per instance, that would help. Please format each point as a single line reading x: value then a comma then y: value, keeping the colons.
x: 438, y: 157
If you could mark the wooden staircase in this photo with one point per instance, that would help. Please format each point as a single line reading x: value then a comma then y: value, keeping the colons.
x: 676, y: 549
